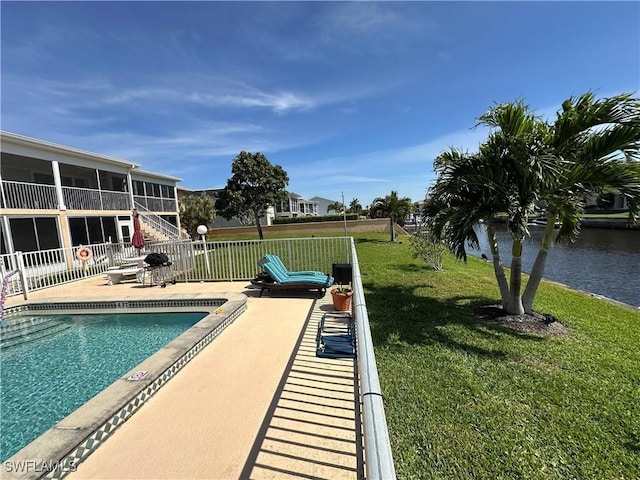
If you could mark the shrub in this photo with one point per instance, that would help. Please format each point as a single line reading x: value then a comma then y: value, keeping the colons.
x: 426, y: 248
x: 315, y: 218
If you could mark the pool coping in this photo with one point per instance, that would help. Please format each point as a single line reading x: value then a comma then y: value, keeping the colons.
x: 60, y: 449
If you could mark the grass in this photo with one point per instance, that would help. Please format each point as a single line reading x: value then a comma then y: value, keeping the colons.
x: 466, y: 399
x: 606, y: 215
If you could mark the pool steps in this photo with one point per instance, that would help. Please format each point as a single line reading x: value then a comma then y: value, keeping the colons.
x: 23, y: 330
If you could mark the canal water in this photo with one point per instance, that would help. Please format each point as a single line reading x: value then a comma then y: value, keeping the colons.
x: 601, y: 261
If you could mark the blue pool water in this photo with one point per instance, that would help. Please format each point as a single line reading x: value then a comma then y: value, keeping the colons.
x: 45, y: 380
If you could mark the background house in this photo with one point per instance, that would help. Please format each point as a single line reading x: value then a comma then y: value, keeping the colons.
x: 322, y: 203
x: 296, y: 206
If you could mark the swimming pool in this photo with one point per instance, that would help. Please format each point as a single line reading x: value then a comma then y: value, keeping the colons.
x: 111, y: 355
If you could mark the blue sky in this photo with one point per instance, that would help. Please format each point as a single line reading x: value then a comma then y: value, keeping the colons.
x: 354, y: 98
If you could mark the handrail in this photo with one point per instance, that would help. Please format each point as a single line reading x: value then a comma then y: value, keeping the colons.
x: 159, y: 224
x: 377, y: 447
x: 29, y: 195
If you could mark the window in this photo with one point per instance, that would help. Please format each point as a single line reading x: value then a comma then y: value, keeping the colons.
x: 24, y: 234
x: 94, y: 227
x: 79, y: 235
x: 47, y: 233
x: 138, y: 188
x: 43, y: 178
x: 75, y: 182
x: 93, y: 230
x: 153, y: 189
x: 32, y: 234
x: 109, y: 228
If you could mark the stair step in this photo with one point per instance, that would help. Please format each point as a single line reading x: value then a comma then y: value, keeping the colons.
x: 25, y: 330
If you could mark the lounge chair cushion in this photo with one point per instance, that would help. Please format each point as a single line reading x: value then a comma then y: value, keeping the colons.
x: 278, y: 262
x: 280, y: 276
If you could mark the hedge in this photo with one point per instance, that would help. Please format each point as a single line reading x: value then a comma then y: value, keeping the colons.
x: 319, y: 218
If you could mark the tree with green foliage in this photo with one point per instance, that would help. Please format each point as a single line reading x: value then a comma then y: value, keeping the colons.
x: 355, y: 206
x: 196, y: 209
x: 337, y: 207
x: 255, y: 185
x: 392, y: 207
x: 595, y: 145
x: 526, y: 162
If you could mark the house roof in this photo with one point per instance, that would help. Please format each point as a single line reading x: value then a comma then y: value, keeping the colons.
x: 20, y: 140
x: 9, y: 139
x: 317, y: 199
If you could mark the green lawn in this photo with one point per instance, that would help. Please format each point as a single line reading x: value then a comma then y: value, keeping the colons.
x: 606, y: 215
x: 465, y: 399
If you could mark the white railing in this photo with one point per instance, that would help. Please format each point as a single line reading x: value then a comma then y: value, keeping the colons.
x: 377, y: 447
x: 165, y: 229
x: 81, y: 198
x: 29, y: 195
x: 39, y: 196
x: 115, y: 200
x: 156, y: 204
x: 76, y: 198
x: 191, y: 261
x: 238, y: 260
x: 47, y: 268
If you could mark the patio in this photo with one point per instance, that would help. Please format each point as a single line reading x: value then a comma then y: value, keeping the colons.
x: 255, y: 403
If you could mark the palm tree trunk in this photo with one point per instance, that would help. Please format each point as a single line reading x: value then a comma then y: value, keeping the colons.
x: 393, y: 230
x: 515, y: 283
x: 498, y: 268
x: 538, y: 267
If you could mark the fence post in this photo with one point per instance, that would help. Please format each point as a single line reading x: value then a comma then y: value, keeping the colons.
x: 23, y: 275
x: 110, y: 253
x: 229, y: 248
x: 289, y: 256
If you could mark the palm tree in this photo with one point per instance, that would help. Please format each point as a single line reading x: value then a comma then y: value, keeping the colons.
x: 355, y: 206
x: 516, y: 173
x: 393, y: 207
x: 460, y: 200
x: 525, y: 161
x: 503, y: 177
x: 596, y: 147
x: 337, y: 207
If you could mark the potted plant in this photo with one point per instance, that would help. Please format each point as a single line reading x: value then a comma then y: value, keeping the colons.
x: 341, y: 298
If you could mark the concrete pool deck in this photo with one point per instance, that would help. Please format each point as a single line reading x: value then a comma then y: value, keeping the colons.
x: 255, y: 403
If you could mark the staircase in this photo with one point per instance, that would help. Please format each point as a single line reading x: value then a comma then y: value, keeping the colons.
x: 157, y: 228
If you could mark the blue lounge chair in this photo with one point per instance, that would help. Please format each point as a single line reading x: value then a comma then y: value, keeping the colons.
x: 274, y: 259
x: 277, y: 277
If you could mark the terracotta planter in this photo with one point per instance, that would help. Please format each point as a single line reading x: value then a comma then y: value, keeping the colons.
x: 341, y: 301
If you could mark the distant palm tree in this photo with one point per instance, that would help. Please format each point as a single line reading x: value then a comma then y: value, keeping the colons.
x: 355, y: 206
x: 393, y: 207
x: 337, y: 207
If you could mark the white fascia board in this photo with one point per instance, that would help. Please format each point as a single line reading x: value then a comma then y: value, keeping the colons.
x: 137, y: 174
x: 39, y: 149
